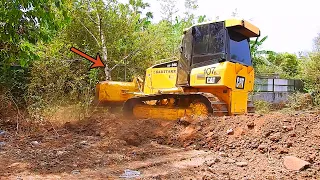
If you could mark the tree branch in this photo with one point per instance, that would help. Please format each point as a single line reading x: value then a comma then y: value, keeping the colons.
x: 124, y: 59
x: 92, y: 19
x: 90, y: 33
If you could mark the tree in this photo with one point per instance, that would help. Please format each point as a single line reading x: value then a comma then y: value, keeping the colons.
x: 59, y: 76
x: 168, y: 9
x: 288, y: 63
x: 310, y: 71
x: 311, y: 76
x: 265, y: 61
x: 255, y: 46
x: 190, y: 7
x: 235, y: 13
x: 24, y: 23
x: 258, y: 55
x: 317, y: 43
x: 108, y: 27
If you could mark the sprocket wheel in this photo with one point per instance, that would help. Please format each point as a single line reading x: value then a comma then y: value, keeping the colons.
x: 199, y: 110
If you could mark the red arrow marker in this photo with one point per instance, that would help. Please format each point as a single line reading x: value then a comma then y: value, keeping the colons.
x: 96, y: 61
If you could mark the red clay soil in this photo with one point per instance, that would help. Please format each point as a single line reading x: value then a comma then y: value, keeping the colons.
x: 103, y: 146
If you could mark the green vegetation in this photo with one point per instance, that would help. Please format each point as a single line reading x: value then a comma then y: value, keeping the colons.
x: 269, y: 62
x: 37, y: 69
x: 262, y: 107
x: 311, y: 75
x: 300, y: 101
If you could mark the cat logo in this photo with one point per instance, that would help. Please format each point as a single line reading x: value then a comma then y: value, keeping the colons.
x: 240, y: 82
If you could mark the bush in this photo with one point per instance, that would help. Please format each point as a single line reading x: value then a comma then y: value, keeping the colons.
x: 56, y: 83
x: 262, y: 106
x: 300, y: 101
x: 13, y: 82
x: 311, y: 76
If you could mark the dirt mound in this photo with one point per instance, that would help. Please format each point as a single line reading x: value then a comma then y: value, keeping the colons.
x: 260, y: 140
x: 246, y: 146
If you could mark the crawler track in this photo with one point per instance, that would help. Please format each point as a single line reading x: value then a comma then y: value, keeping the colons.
x: 182, y: 105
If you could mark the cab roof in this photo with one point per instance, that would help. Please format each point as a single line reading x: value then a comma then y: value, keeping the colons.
x: 242, y: 26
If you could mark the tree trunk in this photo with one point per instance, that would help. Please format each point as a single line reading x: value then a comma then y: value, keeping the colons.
x: 104, y: 50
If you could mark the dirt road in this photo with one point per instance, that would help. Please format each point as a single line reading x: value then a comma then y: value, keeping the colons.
x: 104, y: 146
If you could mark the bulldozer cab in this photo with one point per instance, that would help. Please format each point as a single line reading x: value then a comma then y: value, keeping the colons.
x: 212, y: 43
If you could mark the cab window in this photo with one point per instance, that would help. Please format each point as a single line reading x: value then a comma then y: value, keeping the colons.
x: 239, y: 49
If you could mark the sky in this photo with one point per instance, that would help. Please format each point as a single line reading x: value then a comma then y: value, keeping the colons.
x: 291, y: 25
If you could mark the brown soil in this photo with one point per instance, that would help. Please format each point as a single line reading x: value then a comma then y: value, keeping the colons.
x: 103, y: 146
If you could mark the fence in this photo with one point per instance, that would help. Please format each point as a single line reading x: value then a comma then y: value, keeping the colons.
x: 275, y: 90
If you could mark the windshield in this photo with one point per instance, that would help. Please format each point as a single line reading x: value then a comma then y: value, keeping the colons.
x: 208, y: 43
x: 239, y: 48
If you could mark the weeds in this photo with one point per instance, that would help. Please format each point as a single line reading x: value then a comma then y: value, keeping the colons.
x: 262, y: 106
x: 300, y: 101
x: 57, y: 84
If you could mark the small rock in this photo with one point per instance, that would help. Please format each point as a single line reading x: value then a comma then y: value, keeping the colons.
x: 294, y: 163
x: 263, y: 148
x: 275, y: 137
x: 59, y: 153
x: 287, y: 128
x: 312, y: 158
x: 283, y: 151
x: 211, y: 162
x: 230, y: 132
x: 210, y: 134
x: 211, y: 145
x: 215, y: 137
x: 216, y: 160
x: 237, y: 154
x: 289, y: 144
x: 231, y: 161
x: 2, y: 144
x: 241, y: 131
x: 303, y: 139
x: 13, y: 165
x: 250, y: 125
x: 208, y: 139
x: 75, y: 172
x: 274, y: 147
x: 286, y: 120
x: 316, y: 133
x: 292, y: 134
x: 35, y: 143
x: 2, y: 132
x: 268, y: 133
x: 223, y: 154
x: 241, y: 164
x: 129, y: 174
x: 83, y: 143
x: 135, y: 140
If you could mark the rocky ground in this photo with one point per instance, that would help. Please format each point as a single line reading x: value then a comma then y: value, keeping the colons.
x: 279, y: 145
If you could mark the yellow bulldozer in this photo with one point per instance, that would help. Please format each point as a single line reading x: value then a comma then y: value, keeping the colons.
x: 213, y: 76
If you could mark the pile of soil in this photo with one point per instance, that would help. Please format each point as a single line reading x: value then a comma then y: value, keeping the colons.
x: 261, y: 141
x: 238, y: 147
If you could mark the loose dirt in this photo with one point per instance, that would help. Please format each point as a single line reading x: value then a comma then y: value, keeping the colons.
x: 103, y: 146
